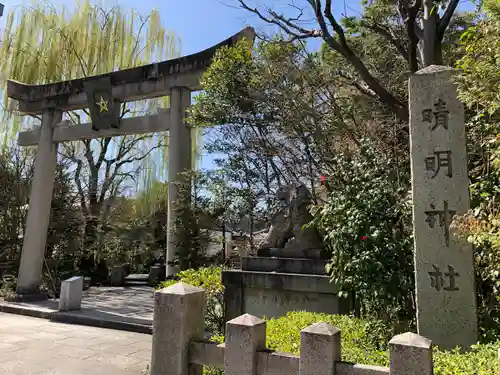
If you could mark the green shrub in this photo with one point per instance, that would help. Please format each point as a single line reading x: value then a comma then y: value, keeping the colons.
x: 210, y: 279
x: 362, y: 344
x: 481, y: 360
x: 358, y: 345
x: 363, y: 341
x: 8, y: 286
x: 366, y: 222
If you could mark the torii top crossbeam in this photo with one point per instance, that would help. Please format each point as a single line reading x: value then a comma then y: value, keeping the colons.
x: 132, y: 84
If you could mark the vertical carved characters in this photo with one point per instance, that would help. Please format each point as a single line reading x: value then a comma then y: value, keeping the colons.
x: 437, y: 279
x: 438, y: 117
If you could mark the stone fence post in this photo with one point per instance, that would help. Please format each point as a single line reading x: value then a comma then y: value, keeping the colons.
x: 320, y: 348
x: 178, y: 320
x: 410, y: 354
x: 245, y: 335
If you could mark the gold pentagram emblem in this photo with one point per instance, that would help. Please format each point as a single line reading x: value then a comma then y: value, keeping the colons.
x: 103, y: 105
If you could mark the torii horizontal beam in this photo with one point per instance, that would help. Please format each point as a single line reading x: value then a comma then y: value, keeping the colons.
x: 142, y: 82
x: 64, y: 132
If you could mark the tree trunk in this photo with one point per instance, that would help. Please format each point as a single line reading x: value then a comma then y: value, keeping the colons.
x: 429, y: 29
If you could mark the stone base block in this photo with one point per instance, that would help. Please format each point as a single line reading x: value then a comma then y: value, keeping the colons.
x: 118, y: 274
x: 127, y: 269
x: 27, y: 297
x: 70, y: 297
x: 156, y: 274
x: 274, y: 294
x: 284, y: 265
x: 294, y: 253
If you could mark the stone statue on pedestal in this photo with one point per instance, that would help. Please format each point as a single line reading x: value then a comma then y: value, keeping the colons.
x: 288, y: 235
x: 288, y: 273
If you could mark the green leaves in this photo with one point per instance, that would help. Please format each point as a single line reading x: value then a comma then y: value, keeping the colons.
x: 479, y: 89
x: 210, y: 279
x: 366, y: 342
x: 480, y: 81
x: 367, y: 225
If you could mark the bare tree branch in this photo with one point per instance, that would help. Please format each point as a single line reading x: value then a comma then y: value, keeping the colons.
x: 445, y: 20
x: 286, y: 25
x: 333, y: 22
x: 388, y: 35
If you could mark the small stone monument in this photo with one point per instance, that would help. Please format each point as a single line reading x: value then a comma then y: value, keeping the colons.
x: 70, y: 297
x: 288, y: 272
x: 444, y: 270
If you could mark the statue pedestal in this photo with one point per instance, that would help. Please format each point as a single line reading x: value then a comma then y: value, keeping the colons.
x: 273, y: 286
x: 294, y: 253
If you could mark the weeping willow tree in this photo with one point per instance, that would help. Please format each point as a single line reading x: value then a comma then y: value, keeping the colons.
x: 43, y: 44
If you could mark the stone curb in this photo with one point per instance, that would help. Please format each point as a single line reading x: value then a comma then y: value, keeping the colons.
x: 21, y: 310
x: 69, y: 318
x: 63, y: 317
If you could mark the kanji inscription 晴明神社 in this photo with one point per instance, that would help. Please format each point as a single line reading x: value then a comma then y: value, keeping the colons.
x: 437, y: 160
x: 444, y: 271
x: 438, y: 117
x: 437, y: 279
x: 444, y: 218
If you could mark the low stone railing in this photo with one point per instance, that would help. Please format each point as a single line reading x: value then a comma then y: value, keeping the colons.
x: 179, y: 348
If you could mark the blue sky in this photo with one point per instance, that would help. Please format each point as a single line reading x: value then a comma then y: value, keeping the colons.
x: 199, y: 23
x: 203, y: 23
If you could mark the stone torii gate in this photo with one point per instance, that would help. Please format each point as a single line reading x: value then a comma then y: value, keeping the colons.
x: 103, y: 95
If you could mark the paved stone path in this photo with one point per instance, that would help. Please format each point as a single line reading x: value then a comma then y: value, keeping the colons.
x: 132, y: 304
x: 30, y: 346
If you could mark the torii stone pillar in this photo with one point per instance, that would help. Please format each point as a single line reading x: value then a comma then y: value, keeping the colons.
x: 37, y: 222
x: 179, y: 161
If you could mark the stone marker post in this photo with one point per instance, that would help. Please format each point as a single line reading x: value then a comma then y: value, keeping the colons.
x: 444, y: 271
x: 37, y: 221
x: 70, y: 297
x: 178, y: 319
x: 179, y: 161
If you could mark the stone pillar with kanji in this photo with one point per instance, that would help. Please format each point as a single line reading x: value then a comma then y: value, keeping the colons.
x: 444, y: 268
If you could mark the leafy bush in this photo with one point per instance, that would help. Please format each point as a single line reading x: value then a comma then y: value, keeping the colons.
x: 7, y: 286
x: 192, y: 208
x: 481, y: 360
x: 478, y: 87
x: 366, y: 222
x: 360, y: 344
x: 210, y: 279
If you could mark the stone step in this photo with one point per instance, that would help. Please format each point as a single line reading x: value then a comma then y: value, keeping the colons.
x: 137, y: 277
x: 135, y: 283
x: 284, y: 265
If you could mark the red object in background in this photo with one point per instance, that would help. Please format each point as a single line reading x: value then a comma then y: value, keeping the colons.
x: 363, y: 238
x: 322, y: 179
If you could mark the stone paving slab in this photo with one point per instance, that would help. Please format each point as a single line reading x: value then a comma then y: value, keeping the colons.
x: 124, y: 308
x: 41, y: 347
